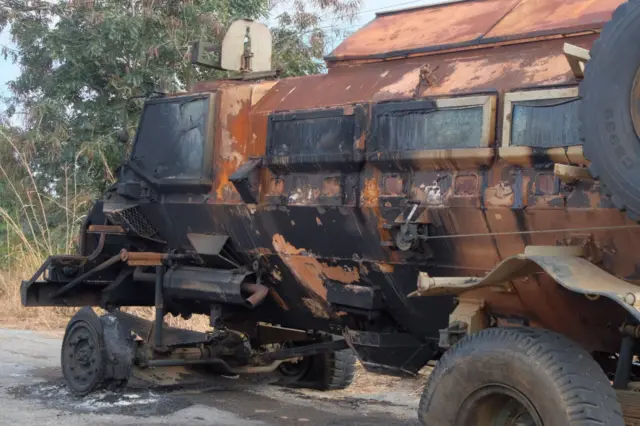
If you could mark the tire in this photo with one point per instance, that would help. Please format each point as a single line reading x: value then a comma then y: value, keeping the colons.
x: 337, y: 370
x: 553, y: 377
x: 330, y: 371
x: 610, y: 140
x: 82, y: 355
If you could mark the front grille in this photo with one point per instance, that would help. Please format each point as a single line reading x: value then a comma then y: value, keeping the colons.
x: 133, y: 219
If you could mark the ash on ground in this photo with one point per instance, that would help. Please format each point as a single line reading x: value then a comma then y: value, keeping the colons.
x: 133, y: 402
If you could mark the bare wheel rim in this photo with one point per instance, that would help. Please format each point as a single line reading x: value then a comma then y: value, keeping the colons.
x: 295, y: 369
x: 635, y: 103
x: 81, y: 357
x: 497, y: 405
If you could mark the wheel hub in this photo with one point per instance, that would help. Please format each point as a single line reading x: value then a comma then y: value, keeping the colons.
x: 635, y: 103
x: 498, y: 405
x: 294, y: 368
x: 81, y: 357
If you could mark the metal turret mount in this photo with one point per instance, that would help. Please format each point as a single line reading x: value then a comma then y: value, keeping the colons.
x: 246, y: 48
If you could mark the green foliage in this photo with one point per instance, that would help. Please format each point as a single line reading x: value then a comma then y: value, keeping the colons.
x: 80, y: 61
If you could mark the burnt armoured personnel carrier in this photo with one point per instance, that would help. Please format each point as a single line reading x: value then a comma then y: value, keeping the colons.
x: 461, y: 186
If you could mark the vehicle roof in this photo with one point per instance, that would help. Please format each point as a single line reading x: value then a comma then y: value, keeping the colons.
x: 459, y: 25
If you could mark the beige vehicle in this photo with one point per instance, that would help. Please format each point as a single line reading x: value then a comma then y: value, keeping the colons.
x: 461, y: 186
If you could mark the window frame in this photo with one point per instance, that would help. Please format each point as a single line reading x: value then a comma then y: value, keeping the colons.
x: 205, y: 180
x: 487, y: 102
x: 207, y: 157
x: 530, y: 95
x: 348, y: 161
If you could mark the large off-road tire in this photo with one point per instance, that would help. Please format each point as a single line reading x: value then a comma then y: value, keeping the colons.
x: 610, y: 109
x: 518, y: 376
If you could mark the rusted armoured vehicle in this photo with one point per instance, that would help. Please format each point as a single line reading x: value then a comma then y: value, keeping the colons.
x: 454, y: 189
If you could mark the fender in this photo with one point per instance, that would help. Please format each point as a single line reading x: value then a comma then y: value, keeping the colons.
x: 563, y: 264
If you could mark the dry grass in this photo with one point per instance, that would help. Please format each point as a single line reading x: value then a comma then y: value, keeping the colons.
x: 30, y: 235
x: 35, y: 222
x: 14, y: 315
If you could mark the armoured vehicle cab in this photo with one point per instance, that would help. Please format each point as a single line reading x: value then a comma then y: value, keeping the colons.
x: 428, y: 198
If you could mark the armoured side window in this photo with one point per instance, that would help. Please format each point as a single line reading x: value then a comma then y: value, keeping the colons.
x: 171, y: 142
x: 315, y: 140
x: 430, y: 130
x: 541, y: 118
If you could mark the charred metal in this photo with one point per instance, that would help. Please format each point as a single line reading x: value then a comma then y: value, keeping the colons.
x: 418, y: 192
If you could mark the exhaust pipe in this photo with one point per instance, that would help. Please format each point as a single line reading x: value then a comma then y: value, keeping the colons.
x: 258, y: 293
x: 214, y: 285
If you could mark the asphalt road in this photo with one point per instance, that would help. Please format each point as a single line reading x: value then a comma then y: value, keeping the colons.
x: 32, y: 393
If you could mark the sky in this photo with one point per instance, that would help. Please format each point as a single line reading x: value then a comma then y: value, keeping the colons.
x: 9, y: 71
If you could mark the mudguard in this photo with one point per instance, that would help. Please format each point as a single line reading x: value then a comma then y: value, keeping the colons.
x: 561, y: 263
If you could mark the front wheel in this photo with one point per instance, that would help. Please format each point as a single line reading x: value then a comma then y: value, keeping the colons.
x: 82, y: 353
x: 518, y: 377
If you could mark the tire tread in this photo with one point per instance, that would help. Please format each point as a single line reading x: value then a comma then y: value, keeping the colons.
x: 585, y: 88
x: 583, y: 387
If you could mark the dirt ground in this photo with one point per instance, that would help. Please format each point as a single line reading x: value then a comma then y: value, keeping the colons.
x: 32, y: 392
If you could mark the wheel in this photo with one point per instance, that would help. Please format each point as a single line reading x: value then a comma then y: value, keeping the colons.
x: 610, y: 109
x: 336, y: 370
x: 82, y: 353
x: 329, y: 371
x: 518, y: 377
x: 297, y: 369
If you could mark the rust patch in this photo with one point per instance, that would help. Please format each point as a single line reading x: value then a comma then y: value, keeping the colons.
x: 309, y: 271
x: 281, y: 246
x: 317, y: 310
x: 360, y: 142
x: 500, y: 195
x: 306, y: 269
x: 331, y: 186
x: 370, y: 197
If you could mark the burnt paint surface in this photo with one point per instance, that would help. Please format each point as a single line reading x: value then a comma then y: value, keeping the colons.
x: 328, y: 211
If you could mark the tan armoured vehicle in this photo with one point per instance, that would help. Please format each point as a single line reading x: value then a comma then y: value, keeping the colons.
x: 462, y: 186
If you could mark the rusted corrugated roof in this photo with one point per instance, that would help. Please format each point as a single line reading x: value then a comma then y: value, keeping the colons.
x: 467, y: 23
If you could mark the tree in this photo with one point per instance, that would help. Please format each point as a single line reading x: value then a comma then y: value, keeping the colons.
x: 81, y: 59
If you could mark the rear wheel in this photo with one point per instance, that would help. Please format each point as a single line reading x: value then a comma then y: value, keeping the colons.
x: 328, y: 371
x: 518, y: 377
